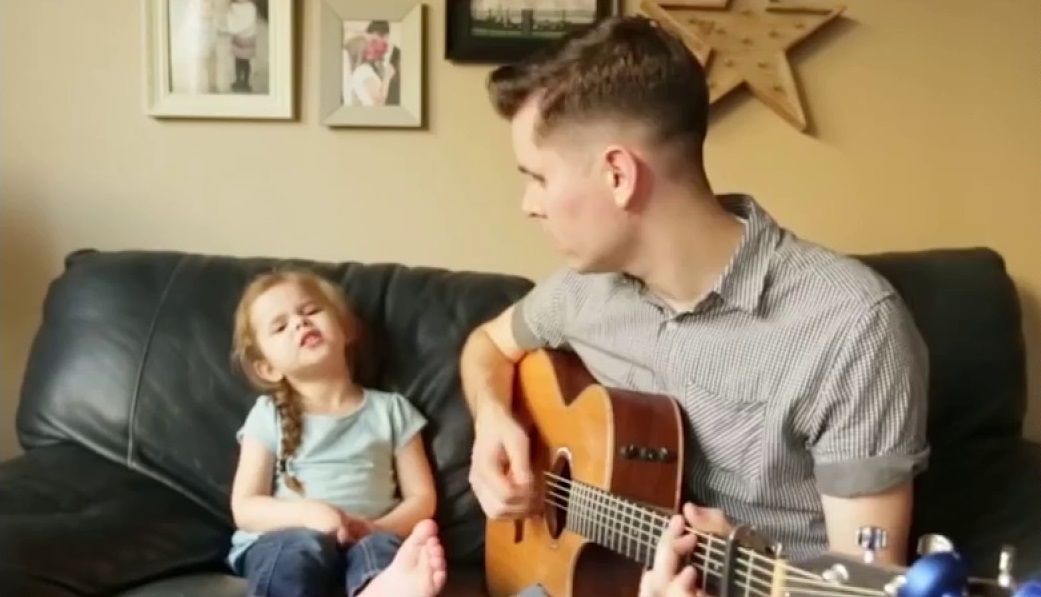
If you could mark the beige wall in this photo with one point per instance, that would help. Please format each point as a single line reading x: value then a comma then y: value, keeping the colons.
x: 927, y: 134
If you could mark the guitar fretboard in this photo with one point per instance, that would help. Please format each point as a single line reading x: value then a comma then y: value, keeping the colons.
x: 630, y: 529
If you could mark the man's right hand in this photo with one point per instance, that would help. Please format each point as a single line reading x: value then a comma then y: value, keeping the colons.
x: 500, y: 468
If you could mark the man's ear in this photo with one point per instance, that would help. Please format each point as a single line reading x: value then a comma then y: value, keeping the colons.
x: 265, y: 371
x: 620, y: 171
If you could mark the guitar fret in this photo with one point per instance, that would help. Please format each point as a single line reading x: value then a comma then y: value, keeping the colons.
x: 583, y: 524
x: 587, y: 512
x: 642, y: 532
x: 628, y: 537
x: 621, y: 533
x: 574, y: 512
x: 643, y: 537
x: 605, y: 519
x: 634, y: 536
x: 591, y: 497
x: 648, y: 524
x: 598, y: 522
x: 748, y: 578
x: 576, y: 508
x: 616, y: 528
x: 705, y: 569
x: 640, y: 537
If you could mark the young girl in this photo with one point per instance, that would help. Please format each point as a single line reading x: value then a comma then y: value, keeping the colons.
x: 314, y: 496
x: 242, y: 25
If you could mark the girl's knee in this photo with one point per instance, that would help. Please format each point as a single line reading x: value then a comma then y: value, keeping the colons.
x: 382, y: 541
x: 307, y: 541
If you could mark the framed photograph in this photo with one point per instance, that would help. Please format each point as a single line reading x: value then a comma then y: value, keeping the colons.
x: 372, y: 63
x: 219, y: 58
x: 499, y: 31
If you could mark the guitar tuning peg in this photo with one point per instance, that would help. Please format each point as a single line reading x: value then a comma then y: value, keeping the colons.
x: 932, y: 543
x: 940, y: 573
x: 1005, y: 560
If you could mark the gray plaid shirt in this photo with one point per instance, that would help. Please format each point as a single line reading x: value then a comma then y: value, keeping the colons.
x: 801, y: 373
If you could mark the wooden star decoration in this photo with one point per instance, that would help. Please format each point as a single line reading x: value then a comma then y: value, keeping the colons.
x: 745, y: 41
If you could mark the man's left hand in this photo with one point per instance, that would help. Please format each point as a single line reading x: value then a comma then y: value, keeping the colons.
x: 677, y: 543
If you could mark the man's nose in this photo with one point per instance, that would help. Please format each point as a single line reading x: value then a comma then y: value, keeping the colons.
x: 531, y: 206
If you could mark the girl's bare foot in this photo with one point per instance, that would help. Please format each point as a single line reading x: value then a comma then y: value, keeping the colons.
x: 418, y: 569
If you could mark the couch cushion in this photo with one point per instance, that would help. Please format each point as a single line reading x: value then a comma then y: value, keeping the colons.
x: 190, y: 585
x: 73, y: 521
x: 463, y: 581
x: 132, y: 361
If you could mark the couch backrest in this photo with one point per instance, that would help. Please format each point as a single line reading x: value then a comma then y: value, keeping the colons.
x: 966, y: 307
x: 132, y: 361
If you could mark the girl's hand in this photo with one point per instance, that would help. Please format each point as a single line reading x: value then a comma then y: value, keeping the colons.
x: 355, y: 527
x: 321, y: 517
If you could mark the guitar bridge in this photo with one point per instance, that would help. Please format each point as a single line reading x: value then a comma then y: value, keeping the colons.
x: 646, y: 453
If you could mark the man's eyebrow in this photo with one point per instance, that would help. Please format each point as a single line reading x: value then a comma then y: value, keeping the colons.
x: 527, y: 172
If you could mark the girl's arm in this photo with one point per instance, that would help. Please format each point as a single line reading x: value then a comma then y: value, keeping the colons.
x: 254, y: 508
x: 418, y: 499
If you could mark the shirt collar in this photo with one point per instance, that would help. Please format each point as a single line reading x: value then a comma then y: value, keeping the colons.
x: 743, y: 281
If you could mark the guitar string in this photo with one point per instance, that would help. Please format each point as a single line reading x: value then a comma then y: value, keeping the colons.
x: 663, y: 520
x: 703, y: 569
x: 813, y: 580
x: 705, y: 559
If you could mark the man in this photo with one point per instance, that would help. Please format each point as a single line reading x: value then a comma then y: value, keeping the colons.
x: 800, y: 371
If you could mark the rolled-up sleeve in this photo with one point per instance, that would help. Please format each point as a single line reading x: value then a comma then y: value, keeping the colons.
x: 871, y: 408
x: 540, y: 318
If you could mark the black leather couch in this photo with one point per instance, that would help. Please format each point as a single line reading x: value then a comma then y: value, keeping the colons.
x: 129, y: 407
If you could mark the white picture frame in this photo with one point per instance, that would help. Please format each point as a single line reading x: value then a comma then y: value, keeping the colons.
x: 219, y: 59
x: 405, y: 20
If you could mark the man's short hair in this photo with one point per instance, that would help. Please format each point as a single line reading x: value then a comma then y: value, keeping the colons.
x: 378, y: 27
x: 621, y: 68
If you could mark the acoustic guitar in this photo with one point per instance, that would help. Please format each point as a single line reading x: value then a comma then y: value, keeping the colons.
x: 609, y: 464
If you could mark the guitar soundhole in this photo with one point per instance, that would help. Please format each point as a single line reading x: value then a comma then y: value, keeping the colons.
x: 558, y: 491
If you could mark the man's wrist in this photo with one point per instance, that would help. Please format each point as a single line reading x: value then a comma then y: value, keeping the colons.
x: 489, y: 409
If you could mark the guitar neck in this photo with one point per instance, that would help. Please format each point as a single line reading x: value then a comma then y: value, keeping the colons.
x: 633, y: 531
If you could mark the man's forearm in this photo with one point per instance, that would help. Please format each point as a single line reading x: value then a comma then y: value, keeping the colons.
x: 487, y: 374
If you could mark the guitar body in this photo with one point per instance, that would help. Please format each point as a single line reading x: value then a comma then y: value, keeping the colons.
x: 627, y: 443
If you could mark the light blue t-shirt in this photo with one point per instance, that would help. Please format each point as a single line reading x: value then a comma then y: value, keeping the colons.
x: 344, y: 460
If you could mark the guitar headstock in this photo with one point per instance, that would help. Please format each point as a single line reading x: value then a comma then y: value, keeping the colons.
x: 939, y: 571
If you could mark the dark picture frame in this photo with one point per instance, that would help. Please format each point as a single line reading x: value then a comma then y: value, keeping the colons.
x: 462, y: 44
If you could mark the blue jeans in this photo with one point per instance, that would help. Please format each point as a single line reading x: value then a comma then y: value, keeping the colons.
x: 305, y: 563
